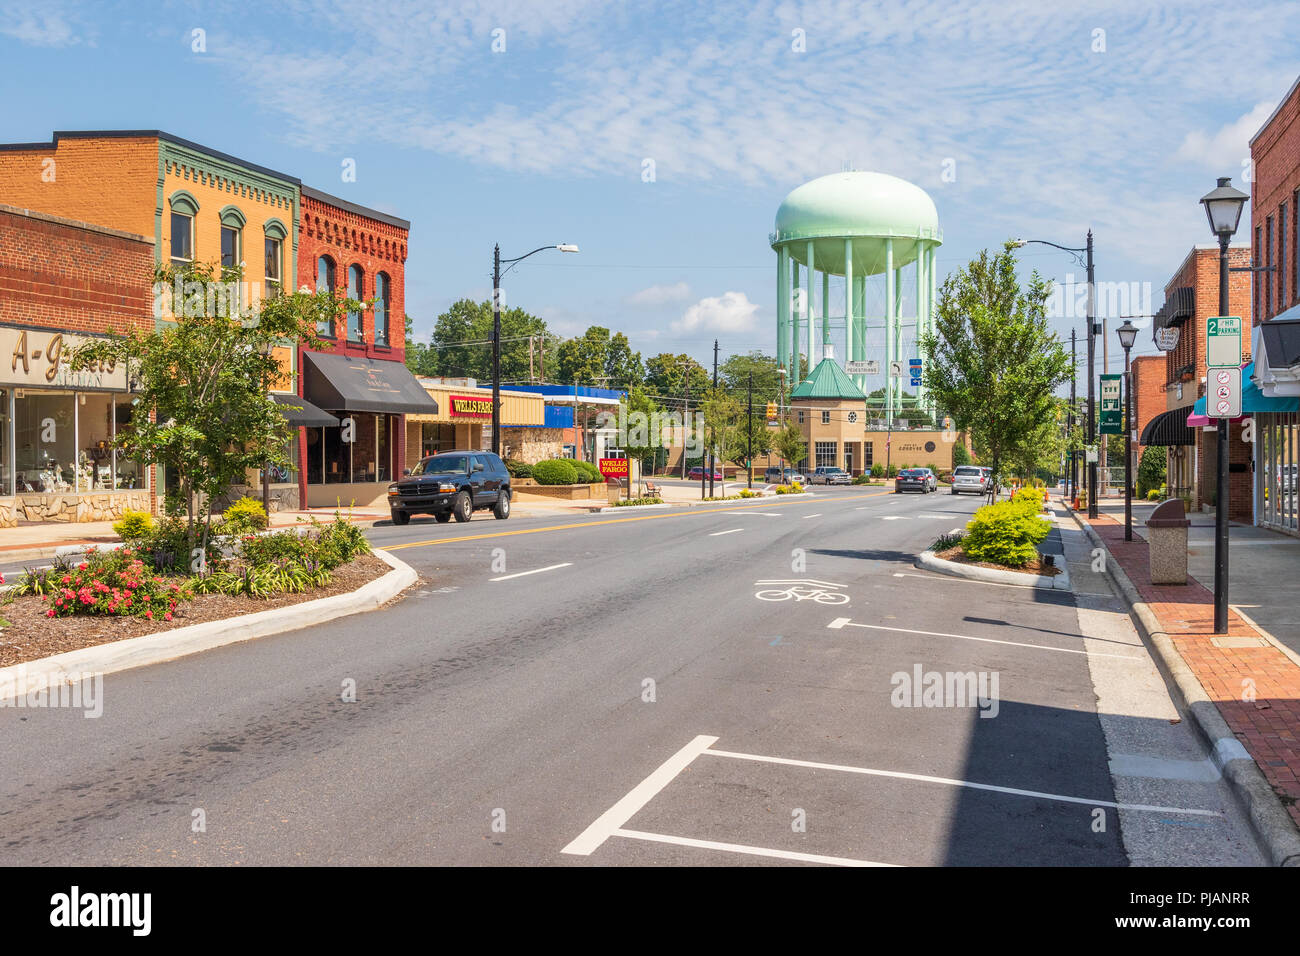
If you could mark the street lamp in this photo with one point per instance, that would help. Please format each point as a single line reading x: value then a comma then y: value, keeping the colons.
x: 1223, y: 210
x: 496, y: 331
x: 1092, y: 334
x: 1127, y: 335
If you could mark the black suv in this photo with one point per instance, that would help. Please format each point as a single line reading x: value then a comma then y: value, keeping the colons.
x: 452, y: 484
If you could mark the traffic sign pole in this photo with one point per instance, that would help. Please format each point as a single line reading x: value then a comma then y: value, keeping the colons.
x: 1222, y: 355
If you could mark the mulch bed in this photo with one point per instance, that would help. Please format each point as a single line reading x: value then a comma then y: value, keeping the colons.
x: 31, y: 635
x: 1033, y: 567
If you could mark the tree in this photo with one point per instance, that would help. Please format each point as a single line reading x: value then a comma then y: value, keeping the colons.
x: 960, y: 456
x: 203, y: 411
x: 600, y: 359
x: 992, y: 361
x: 790, y: 444
x: 666, y: 375
x: 643, y: 436
x: 420, y: 358
x: 1151, y: 470
x: 735, y: 372
x: 462, y: 342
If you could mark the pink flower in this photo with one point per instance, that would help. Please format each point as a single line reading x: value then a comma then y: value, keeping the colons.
x: 82, y: 566
x: 50, y: 613
x: 148, y: 615
x: 67, y: 579
x: 167, y: 616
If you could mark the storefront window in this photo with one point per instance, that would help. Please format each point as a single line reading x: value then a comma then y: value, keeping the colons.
x: 6, y: 472
x: 286, y: 475
x: 436, y: 437
x: 366, y: 458
x: 94, y: 442
x: 130, y: 473
x: 825, y: 451
x: 45, y: 450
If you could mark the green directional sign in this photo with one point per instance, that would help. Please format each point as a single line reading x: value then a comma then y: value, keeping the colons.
x: 1112, y: 411
x: 1223, y: 341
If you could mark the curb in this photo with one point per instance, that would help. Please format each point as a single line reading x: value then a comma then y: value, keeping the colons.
x: 1274, y: 829
x: 630, y: 507
x: 1048, y: 582
x: 18, y: 680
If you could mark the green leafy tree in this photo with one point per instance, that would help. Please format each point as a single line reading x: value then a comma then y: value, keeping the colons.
x: 992, y: 361
x: 203, y: 410
x: 598, y: 358
x: 643, y: 438
x: 462, y: 343
x: 420, y: 358
x: 666, y: 375
x: 790, y: 444
x: 1151, y: 470
x: 960, y: 456
x: 734, y: 375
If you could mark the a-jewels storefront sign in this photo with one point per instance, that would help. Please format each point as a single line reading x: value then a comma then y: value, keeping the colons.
x: 470, y: 406
x: 42, y: 358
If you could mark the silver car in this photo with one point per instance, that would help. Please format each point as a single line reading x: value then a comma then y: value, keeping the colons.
x: 969, y: 478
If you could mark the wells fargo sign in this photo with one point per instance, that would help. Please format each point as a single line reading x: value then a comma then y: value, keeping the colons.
x: 41, y: 357
x: 470, y: 406
x: 613, y: 467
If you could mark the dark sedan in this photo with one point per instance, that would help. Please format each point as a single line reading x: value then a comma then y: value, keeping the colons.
x: 916, y: 479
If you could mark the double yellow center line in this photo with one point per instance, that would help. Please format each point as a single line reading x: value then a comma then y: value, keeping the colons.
x: 688, y: 513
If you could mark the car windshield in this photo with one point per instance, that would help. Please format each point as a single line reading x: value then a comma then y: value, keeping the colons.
x: 442, y: 465
x: 911, y: 473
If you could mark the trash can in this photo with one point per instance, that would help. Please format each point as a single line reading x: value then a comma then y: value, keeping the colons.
x: 1167, y: 542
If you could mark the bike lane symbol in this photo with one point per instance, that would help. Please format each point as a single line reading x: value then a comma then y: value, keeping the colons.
x: 801, y: 589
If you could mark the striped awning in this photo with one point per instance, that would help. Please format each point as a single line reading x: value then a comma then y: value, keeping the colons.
x: 1168, y: 428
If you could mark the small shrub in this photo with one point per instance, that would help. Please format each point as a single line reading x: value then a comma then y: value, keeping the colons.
x: 796, y: 488
x: 587, y: 472
x: 519, y: 469
x: 946, y: 541
x: 960, y: 456
x: 1029, y: 497
x: 747, y: 493
x: 555, y: 471
x: 116, y: 583
x: 644, y: 500
x: 878, y: 470
x: 133, y: 525
x: 245, y: 515
x: 1154, y: 494
x: 862, y: 479
x: 1005, y: 533
x: 339, y: 542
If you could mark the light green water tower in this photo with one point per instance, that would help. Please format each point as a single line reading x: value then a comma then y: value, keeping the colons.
x: 856, y: 225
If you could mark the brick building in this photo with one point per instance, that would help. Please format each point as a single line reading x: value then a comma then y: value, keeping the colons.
x: 359, y: 253
x: 1191, y: 298
x: 61, y: 281
x: 1149, y: 376
x: 1275, y: 375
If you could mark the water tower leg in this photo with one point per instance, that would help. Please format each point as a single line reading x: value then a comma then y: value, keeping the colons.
x: 891, y: 318
x: 796, y: 306
x: 809, y: 311
x: 782, y: 310
x: 826, y: 313
x: 920, y: 314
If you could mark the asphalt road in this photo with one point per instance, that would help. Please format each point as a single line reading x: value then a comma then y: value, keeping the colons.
x: 613, y: 686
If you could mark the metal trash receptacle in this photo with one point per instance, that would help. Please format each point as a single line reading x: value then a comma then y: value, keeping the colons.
x: 1167, y: 542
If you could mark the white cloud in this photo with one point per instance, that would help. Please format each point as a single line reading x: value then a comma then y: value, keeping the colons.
x: 1225, y: 148
x: 660, y: 295
x: 51, y: 26
x: 729, y: 312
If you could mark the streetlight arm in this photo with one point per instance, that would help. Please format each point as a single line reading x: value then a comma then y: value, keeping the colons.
x: 1076, y: 251
x: 519, y: 259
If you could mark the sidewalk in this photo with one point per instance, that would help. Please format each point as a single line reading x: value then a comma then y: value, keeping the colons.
x: 1252, y: 682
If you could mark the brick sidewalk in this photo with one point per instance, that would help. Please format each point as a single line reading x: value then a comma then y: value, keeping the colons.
x: 1267, y: 726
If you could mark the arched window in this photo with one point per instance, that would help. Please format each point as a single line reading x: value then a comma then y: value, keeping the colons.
x: 325, y: 283
x: 381, y: 308
x: 355, y: 290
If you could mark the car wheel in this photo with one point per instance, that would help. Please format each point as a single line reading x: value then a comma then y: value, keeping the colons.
x: 502, y: 509
x: 442, y: 517
x: 401, y: 518
x: 462, y: 509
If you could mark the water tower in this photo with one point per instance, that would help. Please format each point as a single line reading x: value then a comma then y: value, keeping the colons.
x: 856, y: 225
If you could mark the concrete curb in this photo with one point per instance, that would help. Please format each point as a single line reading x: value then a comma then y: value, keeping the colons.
x: 20, y: 679
x: 1048, y: 582
x: 1274, y: 829
x: 631, y: 507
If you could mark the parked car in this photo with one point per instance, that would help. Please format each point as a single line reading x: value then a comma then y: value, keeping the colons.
x: 969, y: 479
x: 452, y: 484
x: 697, y: 474
x: 916, y: 479
x: 828, y: 475
x: 787, y: 476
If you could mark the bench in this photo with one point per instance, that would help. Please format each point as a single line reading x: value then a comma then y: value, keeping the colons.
x: 652, y: 490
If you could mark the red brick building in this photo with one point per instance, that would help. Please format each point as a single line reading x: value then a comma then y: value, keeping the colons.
x: 62, y: 281
x: 1192, y: 297
x: 1149, y: 376
x: 1275, y: 200
x: 359, y: 253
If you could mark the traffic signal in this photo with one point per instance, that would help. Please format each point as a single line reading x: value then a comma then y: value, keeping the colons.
x: 771, y: 410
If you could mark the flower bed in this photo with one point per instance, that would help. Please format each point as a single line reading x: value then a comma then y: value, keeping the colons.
x: 1002, y: 535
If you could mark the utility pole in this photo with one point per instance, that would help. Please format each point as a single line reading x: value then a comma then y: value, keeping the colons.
x: 496, y: 349
x: 1072, y: 485
x: 713, y: 435
x: 686, y: 417
x: 749, y: 436
x: 1092, y: 407
x: 530, y: 359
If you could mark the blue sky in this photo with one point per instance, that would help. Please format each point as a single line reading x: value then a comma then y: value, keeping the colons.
x: 1110, y: 115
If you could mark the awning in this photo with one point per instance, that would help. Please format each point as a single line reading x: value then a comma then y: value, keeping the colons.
x: 1277, y: 342
x: 346, y: 383
x: 298, y: 411
x: 1168, y: 428
x: 1253, y: 401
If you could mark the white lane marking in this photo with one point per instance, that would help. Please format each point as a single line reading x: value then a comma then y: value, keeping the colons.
x: 986, y: 640
x: 895, y: 518
x: 925, y: 778
x: 829, y: 584
x: 732, y: 531
x: 742, y: 848
x: 612, y: 819
x: 765, y: 514
x: 817, y: 515
x: 520, y: 574
x: 838, y: 623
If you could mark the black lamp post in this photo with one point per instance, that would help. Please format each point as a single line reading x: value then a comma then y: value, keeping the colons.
x: 1093, y: 330
x: 1127, y: 334
x: 1223, y: 209
x: 496, y: 333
